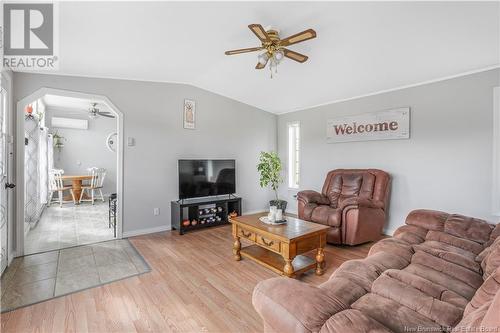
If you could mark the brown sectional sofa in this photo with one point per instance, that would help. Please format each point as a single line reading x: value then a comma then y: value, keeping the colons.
x: 440, y: 272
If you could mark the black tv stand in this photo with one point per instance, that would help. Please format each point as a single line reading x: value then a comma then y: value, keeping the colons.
x: 194, y: 214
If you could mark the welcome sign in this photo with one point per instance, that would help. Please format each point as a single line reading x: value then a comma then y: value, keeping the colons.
x: 382, y: 125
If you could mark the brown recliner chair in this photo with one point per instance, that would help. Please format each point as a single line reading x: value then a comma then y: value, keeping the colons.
x: 353, y: 203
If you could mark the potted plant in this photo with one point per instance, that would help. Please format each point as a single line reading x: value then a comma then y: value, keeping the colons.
x: 58, y: 141
x: 270, y: 168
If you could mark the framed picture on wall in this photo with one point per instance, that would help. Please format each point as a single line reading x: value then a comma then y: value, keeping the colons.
x: 189, y: 114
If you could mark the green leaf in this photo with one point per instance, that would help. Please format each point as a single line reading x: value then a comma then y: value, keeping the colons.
x: 269, y: 168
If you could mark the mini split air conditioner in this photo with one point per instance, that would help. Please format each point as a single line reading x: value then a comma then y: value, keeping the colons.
x: 70, y: 123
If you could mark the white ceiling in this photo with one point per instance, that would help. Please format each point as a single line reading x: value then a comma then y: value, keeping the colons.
x: 71, y: 105
x: 362, y: 47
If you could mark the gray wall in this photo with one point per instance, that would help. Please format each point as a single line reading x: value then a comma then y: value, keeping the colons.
x: 88, y: 147
x: 153, y: 116
x: 447, y: 163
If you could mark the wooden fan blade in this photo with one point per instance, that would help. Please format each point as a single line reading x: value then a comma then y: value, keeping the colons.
x: 300, y: 37
x: 259, y: 31
x: 295, y: 56
x: 250, y: 49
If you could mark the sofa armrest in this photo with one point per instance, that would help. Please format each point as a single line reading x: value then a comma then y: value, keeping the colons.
x: 309, y: 196
x: 288, y: 305
x: 361, y: 202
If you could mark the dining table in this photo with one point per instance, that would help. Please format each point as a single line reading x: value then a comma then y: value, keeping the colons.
x: 76, y: 185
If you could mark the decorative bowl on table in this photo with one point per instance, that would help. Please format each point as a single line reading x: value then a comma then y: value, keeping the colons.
x: 265, y: 219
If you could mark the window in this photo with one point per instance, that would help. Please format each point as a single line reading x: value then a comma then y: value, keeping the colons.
x: 496, y: 152
x: 293, y: 154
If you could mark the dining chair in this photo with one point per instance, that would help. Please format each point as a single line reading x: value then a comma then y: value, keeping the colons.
x: 89, y: 173
x: 96, y: 183
x: 56, y: 184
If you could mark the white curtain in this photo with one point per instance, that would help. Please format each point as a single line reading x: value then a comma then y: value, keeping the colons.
x: 32, y: 206
x: 43, y: 166
x: 50, y: 152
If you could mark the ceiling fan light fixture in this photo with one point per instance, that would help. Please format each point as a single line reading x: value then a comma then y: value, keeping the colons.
x: 274, y: 48
x: 263, y: 58
x: 278, y: 55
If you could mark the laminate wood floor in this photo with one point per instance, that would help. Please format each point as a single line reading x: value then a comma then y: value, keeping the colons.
x: 194, y: 286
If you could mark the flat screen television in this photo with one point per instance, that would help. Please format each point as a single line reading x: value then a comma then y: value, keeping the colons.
x: 203, y: 178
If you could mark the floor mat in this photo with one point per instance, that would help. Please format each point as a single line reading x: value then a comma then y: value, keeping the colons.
x: 39, y: 277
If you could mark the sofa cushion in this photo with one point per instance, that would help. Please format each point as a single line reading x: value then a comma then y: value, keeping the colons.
x: 394, y: 246
x: 327, y: 215
x: 345, y: 291
x: 491, y: 320
x: 428, y: 287
x: 408, y: 295
x: 344, y: 185
x: 454, y: 271
x: 481, y: 256
x: 468, y: 227
x: 427, y: 219
x: 495, y: 233
x: 411, y: 234
x: 392, y: 314
x: 300, y: 306
x: 484, y: 318
x: 357, y: 271
x: 308, y: 210
x: 452, y: 257
x: 464, y: 244
x: 472, y: 322
x: 442, y: 279
x: 492, y: 261
x: 485, y: 293
x: 445, y: 247
x: 485, y: 254
x: 353, y: 321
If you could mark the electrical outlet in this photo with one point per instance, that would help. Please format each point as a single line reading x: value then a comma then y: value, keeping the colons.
x: 156, y: 211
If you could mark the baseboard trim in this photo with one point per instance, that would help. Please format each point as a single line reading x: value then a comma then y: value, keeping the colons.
x: 255, y: 211
x: 162, y: 228
x: 146, y: 231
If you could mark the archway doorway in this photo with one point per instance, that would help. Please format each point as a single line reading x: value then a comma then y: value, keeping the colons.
x: 50, y: 219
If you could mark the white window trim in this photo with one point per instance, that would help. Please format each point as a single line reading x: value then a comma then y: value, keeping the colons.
x: 495, y: 198
x: 291, y: 156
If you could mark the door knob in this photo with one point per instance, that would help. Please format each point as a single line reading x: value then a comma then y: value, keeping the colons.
x: 9, y: 185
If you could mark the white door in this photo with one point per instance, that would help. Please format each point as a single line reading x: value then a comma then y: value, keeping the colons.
x: 3, y: 180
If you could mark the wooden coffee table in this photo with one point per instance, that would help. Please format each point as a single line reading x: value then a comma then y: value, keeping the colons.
x: 280, y: 247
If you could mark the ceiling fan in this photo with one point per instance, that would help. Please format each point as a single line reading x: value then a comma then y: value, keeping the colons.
x: 274, y: 47
x: 94, y: 112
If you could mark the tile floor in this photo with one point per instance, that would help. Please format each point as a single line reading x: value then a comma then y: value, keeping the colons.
x: 42, y: 276
x: 68, y: 226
